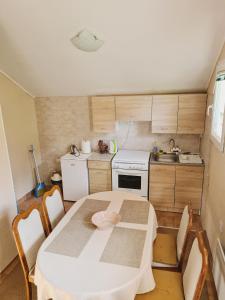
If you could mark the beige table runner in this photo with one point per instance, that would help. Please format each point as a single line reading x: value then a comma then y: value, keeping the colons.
x: 125, y: 247
x: 134, y: 211
x: 74, y: 236
x: 88, y: 208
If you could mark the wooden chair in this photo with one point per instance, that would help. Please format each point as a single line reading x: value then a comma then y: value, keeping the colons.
x: 53, y: 207
x: 29, y: 232
x: 169, y: 249
x: 172, y: 285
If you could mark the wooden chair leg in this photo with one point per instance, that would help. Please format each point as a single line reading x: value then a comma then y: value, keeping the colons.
x: 28, y: 290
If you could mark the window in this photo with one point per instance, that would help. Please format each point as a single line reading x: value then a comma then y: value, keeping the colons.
x: 217, y: 130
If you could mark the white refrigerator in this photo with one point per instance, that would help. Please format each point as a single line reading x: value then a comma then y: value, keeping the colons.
x: 74, y: 176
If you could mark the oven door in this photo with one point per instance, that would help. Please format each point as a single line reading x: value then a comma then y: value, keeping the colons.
x: 130, y: 181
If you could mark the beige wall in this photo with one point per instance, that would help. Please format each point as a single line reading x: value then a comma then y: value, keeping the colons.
x: 66, y: 120
x: 7, y: 203
x: 21, y: 130
x: 213, y: 214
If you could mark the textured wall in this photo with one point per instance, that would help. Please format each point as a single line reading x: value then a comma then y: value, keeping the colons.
x: 214, y: 188
x: 66, y: 120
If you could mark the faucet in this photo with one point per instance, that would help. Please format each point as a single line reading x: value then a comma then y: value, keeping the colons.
x: 172, y: 144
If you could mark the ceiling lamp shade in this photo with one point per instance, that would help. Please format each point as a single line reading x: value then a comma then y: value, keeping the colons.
x: 86, y: 41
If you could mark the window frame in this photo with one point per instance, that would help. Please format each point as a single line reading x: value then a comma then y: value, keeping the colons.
x: 219, y: 144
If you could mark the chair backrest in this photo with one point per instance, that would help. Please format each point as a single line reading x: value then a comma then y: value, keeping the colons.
x: 29, y: 232
x: 196, y: 269
x: 185, y: 227
x: 53, y: 207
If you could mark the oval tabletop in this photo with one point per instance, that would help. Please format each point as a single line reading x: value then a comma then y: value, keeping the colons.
x: 80, y: 262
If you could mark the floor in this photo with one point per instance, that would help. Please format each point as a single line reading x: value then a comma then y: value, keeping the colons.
x: 12, y: 282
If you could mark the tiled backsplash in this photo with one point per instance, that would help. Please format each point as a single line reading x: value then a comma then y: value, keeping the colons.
x: 63, y: 121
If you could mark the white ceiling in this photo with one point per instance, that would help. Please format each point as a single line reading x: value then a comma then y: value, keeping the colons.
x: 150, y: 45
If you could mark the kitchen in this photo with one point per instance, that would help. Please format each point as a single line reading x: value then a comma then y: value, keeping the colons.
x: 185, y: 119
x: 112, y: 133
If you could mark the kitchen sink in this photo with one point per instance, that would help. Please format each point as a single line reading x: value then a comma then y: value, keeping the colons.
x: 167, y: 157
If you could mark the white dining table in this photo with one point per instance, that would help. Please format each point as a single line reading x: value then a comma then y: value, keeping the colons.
x: 77, y: 261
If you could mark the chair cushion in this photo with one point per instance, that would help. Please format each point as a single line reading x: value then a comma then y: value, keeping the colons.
x: 168, y: 287
x: 165, y: 249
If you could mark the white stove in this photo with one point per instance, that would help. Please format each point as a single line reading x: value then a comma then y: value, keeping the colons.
x: 130, y: 171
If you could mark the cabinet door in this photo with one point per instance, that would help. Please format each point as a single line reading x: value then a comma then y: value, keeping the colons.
x: 191, y: 114
x: 161, y: 187
x: 99, y: 180
x: 164, y: 114
x: 189, y: 182
x: 134, y: 108
x: 103, y: 114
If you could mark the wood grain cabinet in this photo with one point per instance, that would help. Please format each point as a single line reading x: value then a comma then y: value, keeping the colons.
x: 103, y: 113
x: 100, y: 176
x: 162, y: 185
x: 191, y: 114
x: 189, y: 181
x: 164, y: 113
x: 172, y: 187
x: 134, y: 108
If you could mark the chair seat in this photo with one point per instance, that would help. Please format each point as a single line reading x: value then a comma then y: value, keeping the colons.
x: 168, y: 287
x: 31, y: 275
x: 165, y: 249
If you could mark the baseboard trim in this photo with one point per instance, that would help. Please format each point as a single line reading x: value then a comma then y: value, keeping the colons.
x: 25, y: 197
x: 9, y: 268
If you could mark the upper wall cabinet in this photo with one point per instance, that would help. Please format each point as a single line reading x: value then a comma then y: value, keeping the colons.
x: 164, y: 113
x: 191, y: 115
x: 134, y: 108
x: 103, y: 113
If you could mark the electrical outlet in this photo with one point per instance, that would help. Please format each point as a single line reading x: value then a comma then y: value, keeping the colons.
x: 221, y: 226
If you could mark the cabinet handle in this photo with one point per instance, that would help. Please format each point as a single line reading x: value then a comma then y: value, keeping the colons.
x: 72, y: 165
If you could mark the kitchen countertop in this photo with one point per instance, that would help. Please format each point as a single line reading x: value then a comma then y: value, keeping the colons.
x: 101, y: 157
x: 175, y: 163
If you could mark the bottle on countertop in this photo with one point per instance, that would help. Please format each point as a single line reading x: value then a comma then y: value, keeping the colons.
x: 113, y: 148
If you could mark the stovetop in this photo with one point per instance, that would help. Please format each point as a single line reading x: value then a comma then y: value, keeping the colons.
x: 131, y: 159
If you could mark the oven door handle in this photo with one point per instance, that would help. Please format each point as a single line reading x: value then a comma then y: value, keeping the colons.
x: 130, y: 172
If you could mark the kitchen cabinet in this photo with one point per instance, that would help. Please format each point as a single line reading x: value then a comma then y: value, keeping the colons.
x: 134, y: 108
x: 191, y: 114
x: 182, y: 114
x: 100, y: 177
x: 164, y: 114
x: 171, y: 187
x: 162, y: 185
x: 103, y: 113
x: 189, y: 181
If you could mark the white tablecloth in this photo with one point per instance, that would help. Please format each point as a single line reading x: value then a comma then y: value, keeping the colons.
x: 86, y: 277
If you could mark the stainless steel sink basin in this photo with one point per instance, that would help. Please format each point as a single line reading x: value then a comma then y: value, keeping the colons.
x: 168, y: 157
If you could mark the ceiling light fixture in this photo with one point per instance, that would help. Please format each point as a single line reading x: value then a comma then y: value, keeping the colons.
x: 86, y: 41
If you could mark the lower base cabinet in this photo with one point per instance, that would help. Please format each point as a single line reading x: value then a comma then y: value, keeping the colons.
x: 172, y: 187
x: 189, y: 181
x: 162, y: 183
x: 100, y: 176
